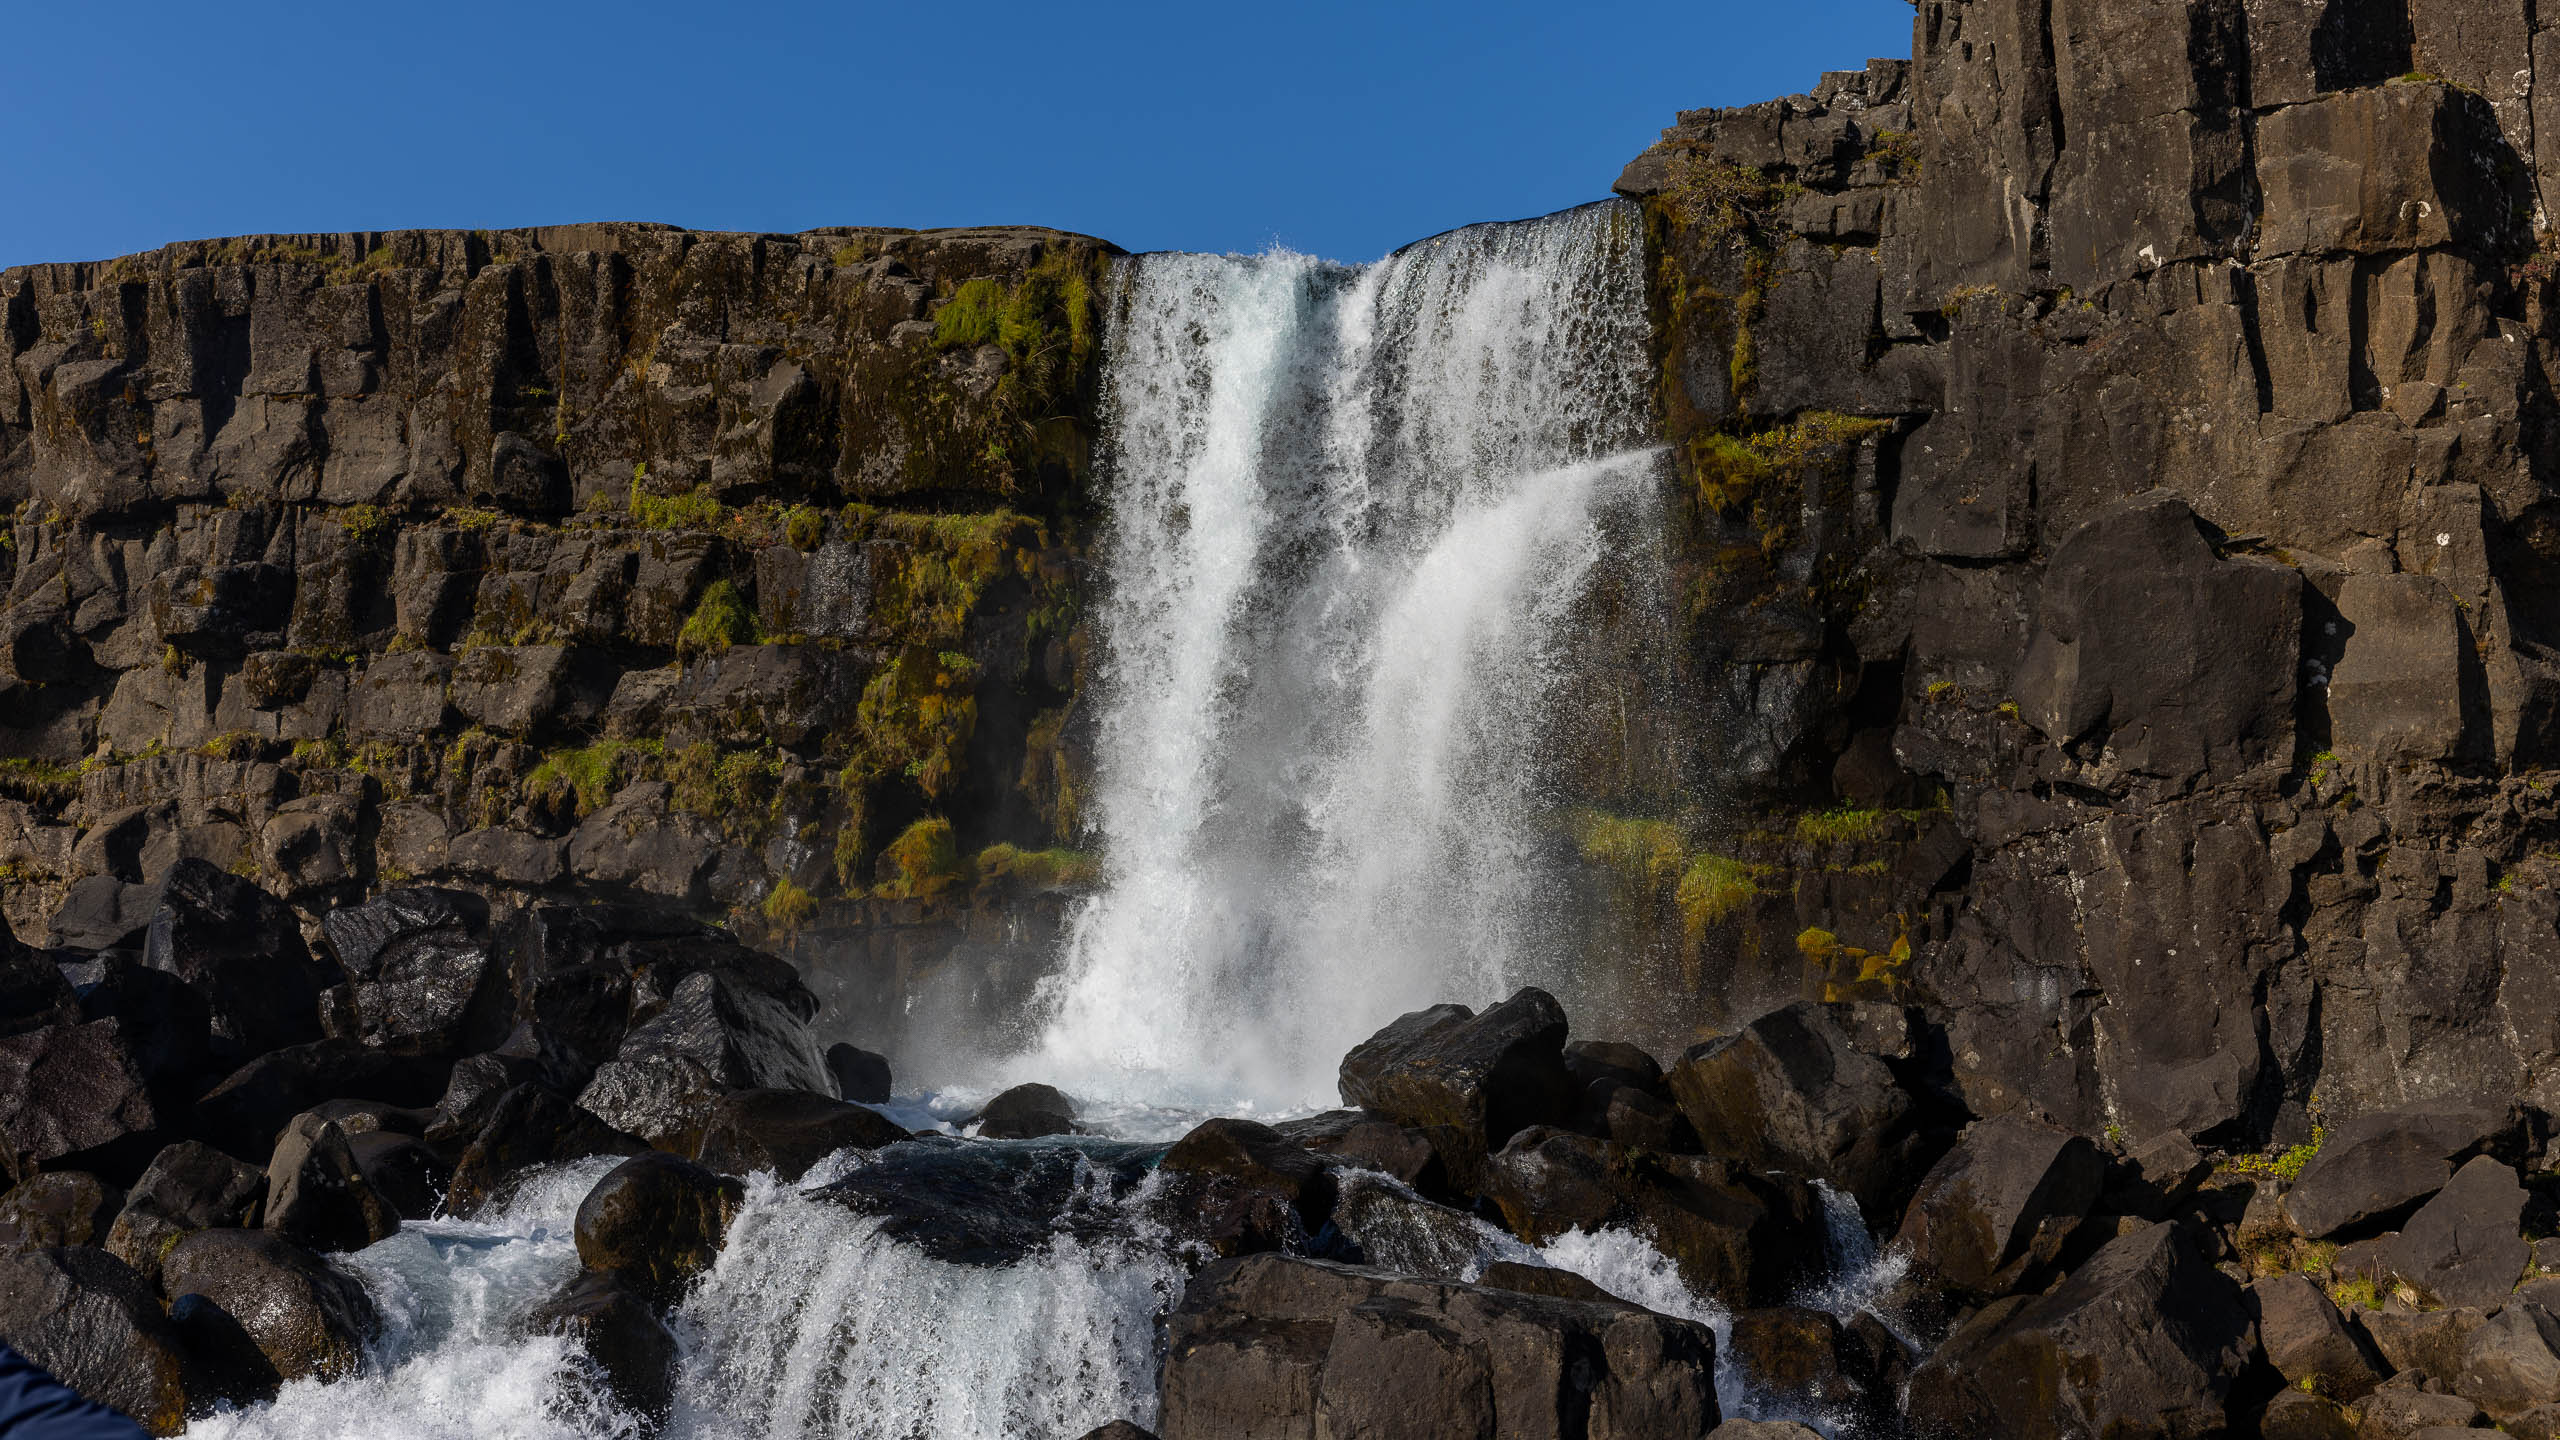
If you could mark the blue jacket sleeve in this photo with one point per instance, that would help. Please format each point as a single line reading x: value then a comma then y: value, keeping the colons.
x: 35, y: 1406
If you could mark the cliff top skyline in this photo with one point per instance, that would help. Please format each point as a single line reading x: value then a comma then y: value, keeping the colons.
x: 1345, y: 132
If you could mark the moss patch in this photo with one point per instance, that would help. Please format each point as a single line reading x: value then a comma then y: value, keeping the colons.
x: 923, y: 863
x: 720, y: 619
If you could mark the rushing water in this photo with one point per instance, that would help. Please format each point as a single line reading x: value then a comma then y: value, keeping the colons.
x: 1352, y: 512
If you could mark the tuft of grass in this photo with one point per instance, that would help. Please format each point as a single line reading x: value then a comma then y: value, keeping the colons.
x: 1714, y: 888
x: 922, y: 863
x: 586, y: 775
x: 1053, y: 869
x: 1839, y: 826
x: 2286, y: 1166
x: 1644, y: 854
x: 804, y: 527
x: 788, y: 906
x: 719, y: 620
x: 40, y: 783
x: 233, y: 745
x: 695, y: 509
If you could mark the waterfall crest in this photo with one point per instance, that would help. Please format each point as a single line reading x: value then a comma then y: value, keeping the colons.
x: 1352, y: 512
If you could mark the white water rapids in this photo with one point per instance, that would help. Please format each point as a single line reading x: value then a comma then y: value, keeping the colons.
x: 1351, y: 514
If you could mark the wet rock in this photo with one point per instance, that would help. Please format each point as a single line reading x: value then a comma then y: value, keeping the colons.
x: 1790, y: 1091
x: 241, y: 949
x: 1468, y: 1082
x: 787, y: 1131
x: 1540, y: 1280
x: 225, y: 1363
x: 1380, y: 1145
x: 529, y: 1126
x: 188, y: 1186
x: 84, y: 1315
x: 2511, y: 1363
x: 425, y: 980
x: 1287, y: 1347
x: 2310, y: 1343
x: 1614, y: 1110
x: 470, y: 1092
x: 656, y: 1221
x: 1381, y: 1223
x: 2373, y: 1170
x: 250, y: 1108
x: 1243, y: 1187
x: 1763, y: 1430
x: 402, y: 1171
x: 1590, y: 1060
x: 2300, y: 1415
x: 165, y: 1023
x: 860, y: 1075
x: 317, y: 1195
x: 2465, y: 1246
x: 1119, y: 1430
x: 1996, y: 1212
x: 743, y: 1035
x: 76, y: 1096
x: 666, y: 1102
x: 307, y: 1319
x: 1809, y: 1357
x: 2145, y: 1338
x: 576, y: 1019
x: 1744, y: 1237
x: 620, y: 1331
x: 58, y: 1207
x: 973, y: 1204
x: 1027, y: 1112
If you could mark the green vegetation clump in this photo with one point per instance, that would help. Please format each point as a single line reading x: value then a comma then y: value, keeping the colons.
x: 1713, y: 889
x: 1727, y: 470
x: 922, y: 863
x: 1839, y: 826
x: 695, y: 509
x: 916, y: 717
x: 788, y: 906
x: 740, y: 791
x: 1644, y: 854
x: 233, y: 745
x: 2286, y: 1166
x: 365, y: 524
x: 584, y: 777
x: 804, y: 528
x: 40, y: 783
x: 1054, y: 869
x: 719, y: 620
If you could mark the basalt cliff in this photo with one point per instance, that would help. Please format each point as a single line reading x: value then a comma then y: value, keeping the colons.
x: 2092, y: 801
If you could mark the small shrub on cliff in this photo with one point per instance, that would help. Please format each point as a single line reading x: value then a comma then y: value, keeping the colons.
x: 922, y: 863
x: 719, y: 620
x: 1055, y: 869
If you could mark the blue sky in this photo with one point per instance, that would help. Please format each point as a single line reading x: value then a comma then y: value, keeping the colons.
x: 1340, y: 129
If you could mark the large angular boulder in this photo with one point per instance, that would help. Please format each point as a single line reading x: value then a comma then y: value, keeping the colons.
x: 33, y: 992
x: 1467, y: 1082
x: 720, y: 1031
x: 241, y: 949
x: 306, y: 1318
x: 2466, y: 1245
x: 1807, y: 1358
x: 1995, y: 1213
x: 1285, y: 1348
x: 76, y: 1096
x: 787, y: 1131
x: 2374, y: 1170
x: 1244, y: 1187
x: 246, y: 1113
x: 2144, y: 1340
x: 317, y: 1195
x: 656, y: 1221
x: 529, y: 1126
x: 2511, y: 1362
x: 1740, y: 1235
x: 861, y: 1075
x: 1792, y: 1091
x: 84, y: 1315
x: 188, y: 1186
x: 2310, y: 1343
x: 425, y: 977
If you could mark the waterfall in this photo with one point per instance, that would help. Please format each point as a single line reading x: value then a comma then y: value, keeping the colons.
x: 1352, y: 513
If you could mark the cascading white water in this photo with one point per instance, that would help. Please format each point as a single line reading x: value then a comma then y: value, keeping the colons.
x: 1352, y: 513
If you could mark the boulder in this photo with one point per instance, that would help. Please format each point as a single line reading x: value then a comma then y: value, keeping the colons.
x: 1468, y: 1082
x: 1381, y: 1223
x: 226, y: 1364
x: 424, y: 975
x: 1243, y: 1187
x: 2402, y: 1409
x: 1737, y: 1234
x: 2424, y: 1342
x: 1995, y: 1213
x: 1290, y: 1348
x: 1791, y: 1091
x: 2374, y: 1170
x: 241, y: 949
x: 188, y: 1186
x: 317, y: 1195
x: 1806, y: 1357
x: 529, y: 1126
x: 1380, y: 1145
x: 971, y: 1204
x: 1763, y: 1430
x: 33, y: 992
x: 164, y: 1021
x: 656, y: 1221
x: 620, y: 1331
x: 402, y: 1170
x: 1027, y: 1112
x: 1614, y: 1110
x: 787, y: 1131
x: 84, y: 1315
x: 2465, y: 1246
x: 1590, y: 1060
x: 2144, y: 1339
x: 742, y: 1034
x: 470, y: 1092
x: 246, y: 1113
x: 2300, y: 1415
x: 75, y: 1096
x: 666, y: 1102
x: 860, y: 1075
x: 1540, y: 1280
x: 1119, y: 1430
x: 2310, y: 1343
x: 574, y: 1020
x: 58, y: 1207
x: 307, y: 1319
x: 2511, y: 1363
